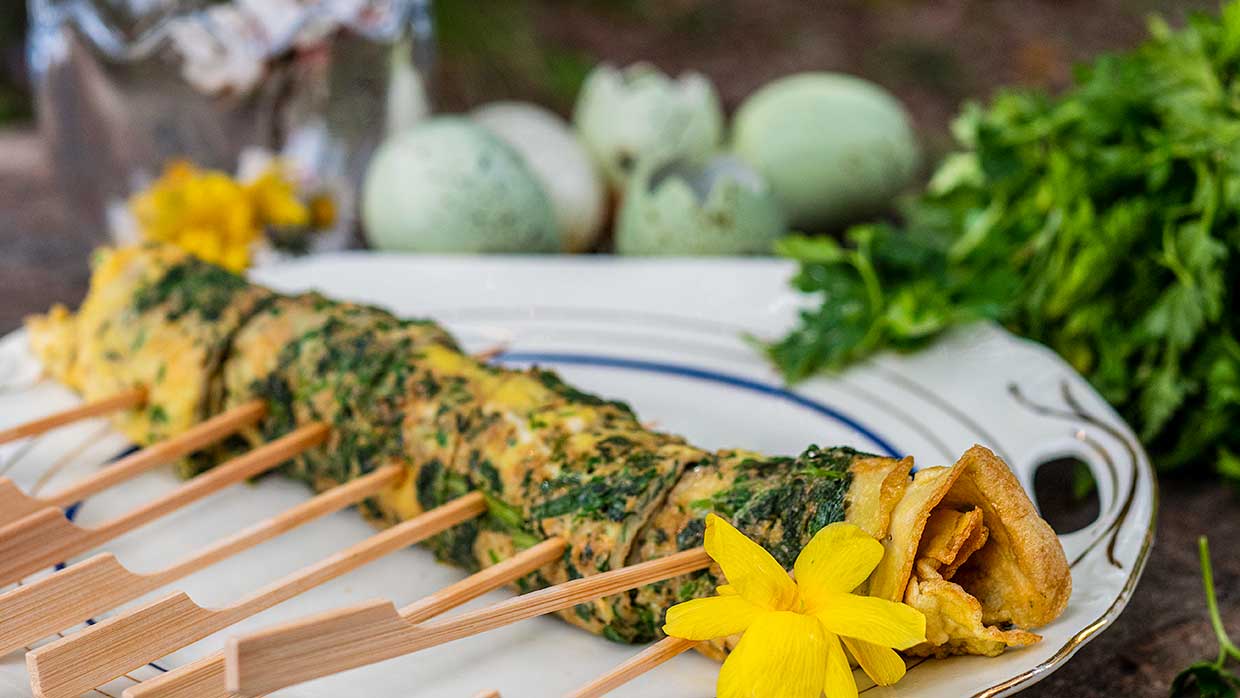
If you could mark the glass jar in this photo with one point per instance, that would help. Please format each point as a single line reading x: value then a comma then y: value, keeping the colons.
x: 124, y: 87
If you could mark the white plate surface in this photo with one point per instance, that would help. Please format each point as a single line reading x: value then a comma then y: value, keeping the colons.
x: 667, y: 336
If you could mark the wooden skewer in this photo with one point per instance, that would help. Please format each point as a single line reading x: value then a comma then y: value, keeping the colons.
x: 642, y: 662
x: 205, y: 677
x: 15, y: 504
x: 46, y: 537
x: 117, y: 402
x: 91, y: 587
x: 107, y: 405
x: 372, y: 632
x: 102, y: 652
x: 72, y: 455
x: 18, y: 453
x: 486, y: 355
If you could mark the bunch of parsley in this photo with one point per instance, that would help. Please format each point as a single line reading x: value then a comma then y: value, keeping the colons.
x: 1103, y: 222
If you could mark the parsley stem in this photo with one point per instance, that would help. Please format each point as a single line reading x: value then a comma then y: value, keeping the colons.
x: 1226, y: 646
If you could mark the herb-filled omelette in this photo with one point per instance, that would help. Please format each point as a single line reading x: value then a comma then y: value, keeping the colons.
x: 964, y: 544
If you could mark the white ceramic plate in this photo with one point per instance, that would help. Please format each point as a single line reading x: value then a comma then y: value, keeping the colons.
x: 667, y: 337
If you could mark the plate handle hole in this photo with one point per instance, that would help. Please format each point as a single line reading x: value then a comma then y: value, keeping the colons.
x: 1066, y: 494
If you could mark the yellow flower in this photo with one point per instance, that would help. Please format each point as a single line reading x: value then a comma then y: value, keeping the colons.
x: 204, y: 212
x: 216, y: 218
x: 792, y: 630
x: 322, y: 211
x: 275, y: 199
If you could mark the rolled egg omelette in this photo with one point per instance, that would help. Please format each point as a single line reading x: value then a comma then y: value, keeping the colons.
x: 964, y: 544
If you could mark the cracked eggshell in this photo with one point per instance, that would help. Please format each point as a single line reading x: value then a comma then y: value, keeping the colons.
x: 720, y: 207
x: 832, y: 147
x: 560, y: 162
x: 449, y: 185
x: 628, y: 116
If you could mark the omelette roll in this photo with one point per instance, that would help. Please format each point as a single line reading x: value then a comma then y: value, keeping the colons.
x: 358, y: 373
x: 969, y: 550
x: 780, y: 503
x: 156, y: 318
x: 315, y: 359
x: 964, y: 545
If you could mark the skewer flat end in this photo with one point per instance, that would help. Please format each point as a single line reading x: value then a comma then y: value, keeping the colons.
x: 31, y: 612
x: 14, y: 503
x: 37, y: 541
x: 307, y: 649
x: 77, y: 663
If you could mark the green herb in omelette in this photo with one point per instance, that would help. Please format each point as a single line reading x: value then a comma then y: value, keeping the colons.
x: 1104, y: 222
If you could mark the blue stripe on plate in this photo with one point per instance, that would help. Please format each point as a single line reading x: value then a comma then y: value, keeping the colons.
x: 72, y: 510
x: 686, y: 371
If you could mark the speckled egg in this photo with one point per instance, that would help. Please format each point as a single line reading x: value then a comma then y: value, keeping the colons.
x: 833, y: 147
x: 626, y: 116
x: 561, y: 163
x: 449, y: 185
x: 717, y: 207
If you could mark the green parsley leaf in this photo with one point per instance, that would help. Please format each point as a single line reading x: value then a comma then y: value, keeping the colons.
x: 1103, y: 222
x: 1210, y: 679
x: 1205, y: 680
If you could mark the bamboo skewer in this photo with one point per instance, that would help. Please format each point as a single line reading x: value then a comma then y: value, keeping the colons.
x: 19, y: 453
x: 46, y: 537
x: 107, y: 405
x: 486, y: 355
x: 649, y: 658
x: 72, y: 455
x: 15, y: 504
x: 205, y: 677
x: 100, y: 653
x: 372, y: 632
x: 91, y: 587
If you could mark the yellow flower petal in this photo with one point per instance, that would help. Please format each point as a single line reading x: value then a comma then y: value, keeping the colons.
x: 782, y: 655
x: 839, y: 681
x: 725, y: 590
x: 880, y: 621
x: 236, y: 258
x: 882, y: 665
x: 707, y: 619
x: 837, y: 560
x: 322, y: 211
x: 750, y: 569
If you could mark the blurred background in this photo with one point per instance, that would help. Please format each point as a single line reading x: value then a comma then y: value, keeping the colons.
x: 930, y: 55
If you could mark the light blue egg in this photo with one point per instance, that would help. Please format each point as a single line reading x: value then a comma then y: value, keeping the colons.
x: 833, y: 147
x: 449, y: 185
